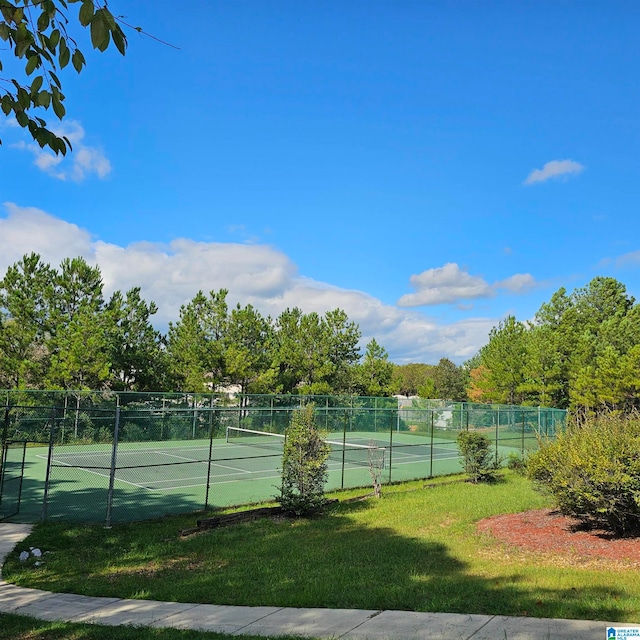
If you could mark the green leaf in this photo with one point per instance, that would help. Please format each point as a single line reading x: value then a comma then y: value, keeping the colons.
x: 99, y: 31
x: 43, y: 21
x: 36, y: 85
x: 24, y: 100
x: 56, y: 103
x: 58, y: 146
x: 42, y: 137
x: 86, y: 12
x: 22, y: 48
x: 43, y: 99
x: 77, y: 59
x: 54, y: 38
x: 23, y: 40
x: 54, y: 77
x: 32, y: 64
x: 4, y: 31
x: 63, y: 54
x: 119, y: 39
x: 22, y: 118
x: 109, y: 19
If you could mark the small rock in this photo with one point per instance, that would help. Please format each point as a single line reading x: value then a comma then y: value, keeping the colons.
x: 24, y: 556
x: 36, y: 552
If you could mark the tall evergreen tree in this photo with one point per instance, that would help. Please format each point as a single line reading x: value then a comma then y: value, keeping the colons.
x: 138, y: 356
x: 24, y: 322
x: 374, y: 374
x: 79, y: 328
x: 196, y: 342
x: 247, y: 352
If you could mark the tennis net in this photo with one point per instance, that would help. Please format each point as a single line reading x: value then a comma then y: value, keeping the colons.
x: 360, y: 454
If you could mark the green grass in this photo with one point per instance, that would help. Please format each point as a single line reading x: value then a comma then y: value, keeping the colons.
x: 415, y: 549
x: 24, y: 628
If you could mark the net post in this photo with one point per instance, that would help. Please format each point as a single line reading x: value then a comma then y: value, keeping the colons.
x: 112, y: 472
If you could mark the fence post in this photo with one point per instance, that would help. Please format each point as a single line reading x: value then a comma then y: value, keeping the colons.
x: 431, y: 447
x: 497, y: 434
x: 5, y: 426
x: 206, y: 496
x: 391, y: 439
x: 193, y: 424
x: 47, y: 478
x: 344, y: 440
x: 112, y: 473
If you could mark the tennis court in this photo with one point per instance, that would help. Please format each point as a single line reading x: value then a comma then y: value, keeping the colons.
x: 186, y: 475
x: 148, y: 459
x: 162, y: 466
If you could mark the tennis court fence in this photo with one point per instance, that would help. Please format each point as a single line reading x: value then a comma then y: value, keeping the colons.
x: 118, y: 457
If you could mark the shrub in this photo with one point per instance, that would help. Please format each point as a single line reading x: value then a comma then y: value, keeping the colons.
x: 479, y: 461
x: 592, y: 471
x: 517, y: 463
x: 304, y: 465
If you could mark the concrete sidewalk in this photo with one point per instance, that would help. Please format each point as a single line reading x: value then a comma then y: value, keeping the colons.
x: 316, y: 623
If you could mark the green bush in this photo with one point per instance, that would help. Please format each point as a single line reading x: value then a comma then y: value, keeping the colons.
x: 479, y: 461
x: 304, y: 465
x: 592, y: 471
x: 517, y: 462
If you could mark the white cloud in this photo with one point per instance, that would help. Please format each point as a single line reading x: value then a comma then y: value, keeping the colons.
x: 518, y: 283
x: 27, y: 229
x: 628, y: 259
x: 78, y: 164
x: 450, y: 284
x: 260, y: 275
x: 444, y: 285
x: 554, y: 169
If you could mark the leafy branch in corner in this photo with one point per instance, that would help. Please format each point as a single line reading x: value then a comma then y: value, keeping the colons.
x: 36, y: 32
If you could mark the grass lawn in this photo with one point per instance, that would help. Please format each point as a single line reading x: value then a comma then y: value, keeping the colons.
x: 24, y: 628
x: 415, y: 549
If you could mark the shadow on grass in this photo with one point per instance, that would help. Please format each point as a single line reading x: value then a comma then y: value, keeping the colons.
x: 334, y: 562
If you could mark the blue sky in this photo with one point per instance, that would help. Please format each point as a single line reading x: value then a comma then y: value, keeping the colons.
x: 429, y: 167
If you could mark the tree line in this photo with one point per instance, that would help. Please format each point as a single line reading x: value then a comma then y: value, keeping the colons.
x: 581, y: 351
x: 58, y: 331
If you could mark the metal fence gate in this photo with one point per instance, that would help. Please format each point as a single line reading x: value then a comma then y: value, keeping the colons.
x: 11, y: 475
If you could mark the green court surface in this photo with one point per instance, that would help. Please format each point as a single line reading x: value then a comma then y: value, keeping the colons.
x: 152, y: 479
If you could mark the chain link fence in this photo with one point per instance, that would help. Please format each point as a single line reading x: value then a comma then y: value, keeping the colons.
x: 107, y: 458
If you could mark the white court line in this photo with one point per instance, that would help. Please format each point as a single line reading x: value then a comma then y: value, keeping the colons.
x: 102, y: 475
x: 422, y: 461
x: 181, y: 480
x: 224, y: 466
x: 425, y: 456
x: 173, y: 455
x: 129, y: 452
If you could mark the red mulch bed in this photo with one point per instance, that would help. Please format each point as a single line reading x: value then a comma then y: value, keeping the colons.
x: 547, y: 531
